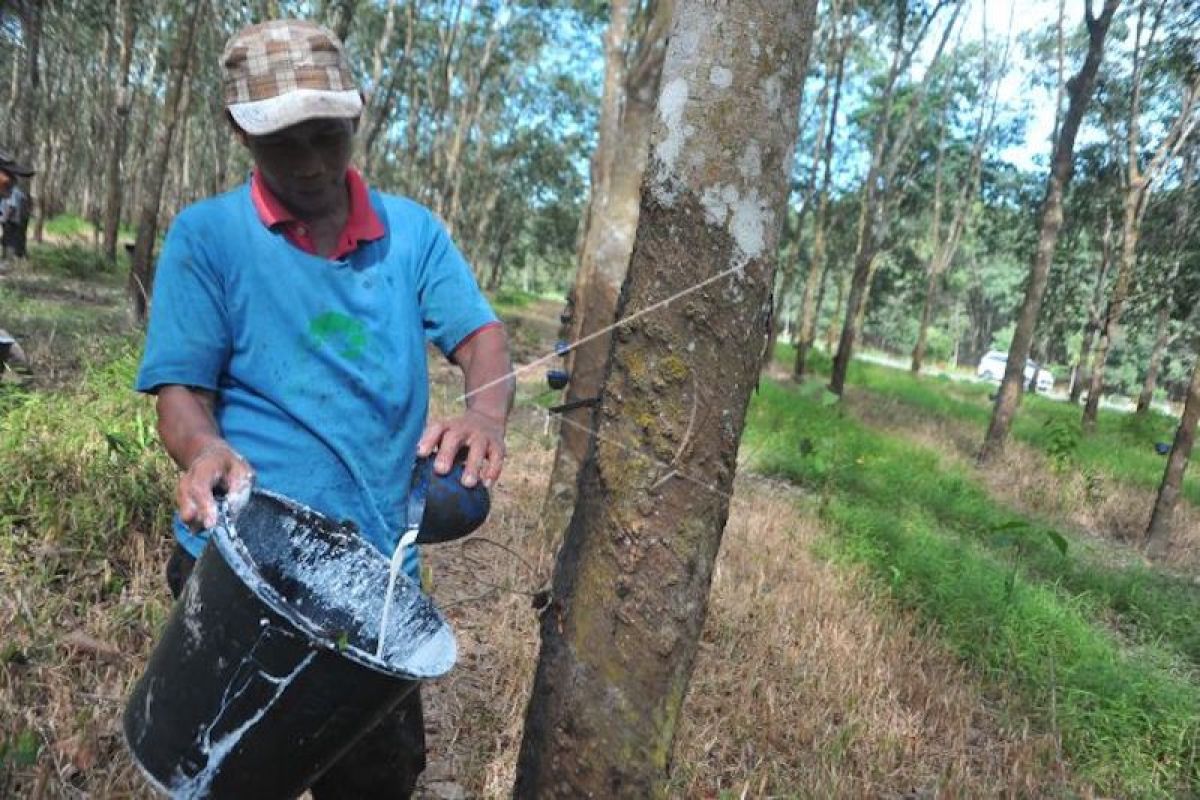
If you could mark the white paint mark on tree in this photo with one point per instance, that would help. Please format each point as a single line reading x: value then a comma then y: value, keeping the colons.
x: 670, y: 111
x: 721, y: 77
x: 751, y: 217
x: 750, y: 164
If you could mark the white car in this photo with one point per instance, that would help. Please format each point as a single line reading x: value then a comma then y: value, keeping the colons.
x: 991, y: 368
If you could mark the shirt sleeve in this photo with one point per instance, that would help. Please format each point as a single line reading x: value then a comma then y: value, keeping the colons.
x: 452, y: 306
x: 188, y: 341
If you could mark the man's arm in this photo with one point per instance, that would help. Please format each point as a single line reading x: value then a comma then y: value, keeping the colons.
x: 487, y: 374
x: 190, y: 434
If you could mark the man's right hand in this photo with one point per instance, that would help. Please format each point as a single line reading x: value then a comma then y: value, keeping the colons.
x: 215, y: 466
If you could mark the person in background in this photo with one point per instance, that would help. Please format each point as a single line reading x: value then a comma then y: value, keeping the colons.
x: 287, y: 334
x: 14, y: 212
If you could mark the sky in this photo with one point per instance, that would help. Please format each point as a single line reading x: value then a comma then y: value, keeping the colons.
x: 1016, y: 88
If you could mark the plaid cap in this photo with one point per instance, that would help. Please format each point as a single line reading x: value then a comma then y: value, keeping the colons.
x: 283, y: 72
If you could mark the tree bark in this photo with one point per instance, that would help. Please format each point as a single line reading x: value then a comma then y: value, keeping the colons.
x: 120, y: 129
x: 1162, y: 338
x: 810, y: 305
x: 141, y: 274
x: 1083, y: 366
x: 1158, y: 534
x: 1079, y: 91
x: 618, y: 167
x: 27, y: 107
x: 631, y: 584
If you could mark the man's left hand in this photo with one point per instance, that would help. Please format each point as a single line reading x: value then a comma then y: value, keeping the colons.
x: 480, y: 434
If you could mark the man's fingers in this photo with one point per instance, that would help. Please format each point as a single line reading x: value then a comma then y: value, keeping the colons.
x: 452, y: 440
x: 495, y: 463
x: 429, y: 439
x: 475, y: 456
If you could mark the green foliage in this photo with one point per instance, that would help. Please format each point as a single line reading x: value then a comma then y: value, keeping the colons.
x: 73, y: 260
x: 22, y: 750
x: 69, y: 226
x: 1061, y: 442
x: 84, y: 468
x: 1099, y: 653
x: 510, y: 299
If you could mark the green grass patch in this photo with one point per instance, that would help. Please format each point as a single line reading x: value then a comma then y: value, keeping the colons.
x: 82, y: 468
x: 72, y: 260
x: 512, y: 299
x: 69, y: 226
x: 1105, y: 656
x: 1121, y: 448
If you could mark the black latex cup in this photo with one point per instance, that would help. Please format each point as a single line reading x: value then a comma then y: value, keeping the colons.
x: 452, y: 510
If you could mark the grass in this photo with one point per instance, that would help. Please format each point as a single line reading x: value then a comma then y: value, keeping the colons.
x: 1023, y: 603
x: 1121, y: 448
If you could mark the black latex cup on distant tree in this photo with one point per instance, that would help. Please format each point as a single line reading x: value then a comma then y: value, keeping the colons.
x: 452, y: 510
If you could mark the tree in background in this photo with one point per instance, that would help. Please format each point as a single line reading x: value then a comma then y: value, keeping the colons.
x: 944, y: 248
x: 634, y: 47
x: 842, y: 36
x: 631, y: 584
x: 891, y: 141
x: 1140, y: 180
x: 119, y: 121
x: 1079, y: 92
x: 1158, y: 534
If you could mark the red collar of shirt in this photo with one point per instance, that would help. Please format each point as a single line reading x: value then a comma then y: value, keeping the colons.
x: 362, y: 223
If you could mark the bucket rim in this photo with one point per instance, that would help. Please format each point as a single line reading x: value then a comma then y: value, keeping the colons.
x: 236, y: 554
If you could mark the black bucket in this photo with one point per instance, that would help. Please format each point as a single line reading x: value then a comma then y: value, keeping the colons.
x: 265, y: 673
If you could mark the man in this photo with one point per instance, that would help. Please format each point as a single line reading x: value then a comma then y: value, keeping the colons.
x: 14, y: 211
x: 287, y: 339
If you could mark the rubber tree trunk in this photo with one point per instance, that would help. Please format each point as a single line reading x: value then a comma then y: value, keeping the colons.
x: 618, y: 167
x: 120, y: 132
x: 810, y: 303
x: 141, y: 273
x: 27, y: 106
x: 1158, y: 535
x: 879, y: 188
x: 632, y: 580
x: 1162, y: 338
x: 1083, y: 367
x: 1079, y: 92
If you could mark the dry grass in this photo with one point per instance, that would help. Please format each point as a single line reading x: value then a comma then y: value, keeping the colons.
x: 1026, y: 479
x: 808, y: 685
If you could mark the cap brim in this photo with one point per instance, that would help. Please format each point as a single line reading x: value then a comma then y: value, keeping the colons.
x: 260, y: 117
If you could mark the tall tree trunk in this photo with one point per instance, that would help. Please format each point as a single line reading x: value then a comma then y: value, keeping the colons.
x: 1138, y: 183
x: 632, y: 580
x: 1158, y: 535
x: 1083, y: 366
x: 141, y: 274
x: 1079, y: 90
x: 1162, y: 338
x: 810, y: 301
x: 1116, y: 303
x: 120, y: 130
x: 888, y: 150
x: 945, y: 248
x: 27, y: 107
x: 933, y: 268
x: 618, y: 167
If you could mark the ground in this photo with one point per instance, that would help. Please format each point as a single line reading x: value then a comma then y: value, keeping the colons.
x: 812, y: 679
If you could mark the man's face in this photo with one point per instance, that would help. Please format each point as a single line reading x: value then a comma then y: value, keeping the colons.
x: 305, y: 165
x: 6, y: 183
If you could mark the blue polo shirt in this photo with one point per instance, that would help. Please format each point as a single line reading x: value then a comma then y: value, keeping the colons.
x: 318, y: 365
